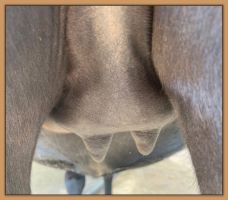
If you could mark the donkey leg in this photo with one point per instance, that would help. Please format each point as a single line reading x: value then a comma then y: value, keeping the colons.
x: 34, y: 77
x: 187, y: 54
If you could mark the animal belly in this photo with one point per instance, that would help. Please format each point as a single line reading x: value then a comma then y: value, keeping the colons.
x: 69, y: 152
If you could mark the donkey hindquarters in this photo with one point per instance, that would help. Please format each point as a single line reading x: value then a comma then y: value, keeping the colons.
x: 187, y: 53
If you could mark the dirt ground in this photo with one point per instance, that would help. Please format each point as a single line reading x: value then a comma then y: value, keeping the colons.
x: 173, y: 175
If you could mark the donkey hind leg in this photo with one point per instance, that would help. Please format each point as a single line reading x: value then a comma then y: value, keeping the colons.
x: 34, y: 78
x: 187, y: 55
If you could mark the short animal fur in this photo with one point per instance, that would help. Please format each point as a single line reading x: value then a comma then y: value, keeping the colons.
x: 98, y: 71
